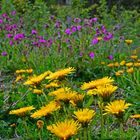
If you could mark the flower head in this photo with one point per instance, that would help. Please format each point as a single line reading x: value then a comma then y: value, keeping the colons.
x: 60, y: 73
x: 4, y: 53
x: 40, y: 124
x: 98, y: 82
x: 106, y: 90
x: 37, y: 91
x: 116, y: 107
x: 45, y: 110
x: 128, y: 42
x: 136, y: 116
x: 21, y: 111
x: 95, y: 41
x: 65, y: 129
x: 91, y: 55
x: 84, y: 115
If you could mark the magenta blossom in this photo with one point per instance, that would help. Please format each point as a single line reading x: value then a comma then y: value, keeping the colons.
x: 110, y: 57
x: 13, y: 13
x: 91, y: 55
x: 34, y: 32
x: 4, y: 53
x: 95, y: 19
x: 19, y: 36
x: 95, y: 41
x: 79, y: 27
x: 77, y: 20
x: 68, y: 31
x: 108, y: 36
x: 73, y: 29
x: 1, y: 21
x: 11, y: 42
x: 9, y: 35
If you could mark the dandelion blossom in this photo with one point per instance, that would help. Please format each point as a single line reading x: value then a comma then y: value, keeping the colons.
x: 60, y: 73
x: 45, y: 110
x: 21, y: 111
x: 116, y: 107
x: 64, y: 130
x: 84, y: 115
x: 98, y: 82
x: 136, y: 116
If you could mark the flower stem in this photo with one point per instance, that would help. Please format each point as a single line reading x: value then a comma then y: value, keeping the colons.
x: 121, y: 131
x: 85, y: 133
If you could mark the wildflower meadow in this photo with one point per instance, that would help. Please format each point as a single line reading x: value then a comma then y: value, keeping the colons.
x: 69, y: 71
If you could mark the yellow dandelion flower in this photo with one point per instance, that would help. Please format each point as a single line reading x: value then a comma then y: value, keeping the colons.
x: 128, y: 42
x: 98, y: 82
x: 122, y: 63
x: 106, y: 91
x: 111, y: 65
x: 24, y: 71
x: 130, y: 64
x: 102, y: 63
x: 60, y: 90
x: 20, y: 71
x: 40, y: 124
x: 19, y: 77
x: 37, y: 91
x: 137, y: 64
x: 84, y: 115
x: 52, y: 85
x: 116, y: 64
x: 45, y: 110
x: 134, y: 52
x: 29, y: 71
x: 118, y: 73
x: 64, y: 130
x: 136, y: 116
x: 37, y: 79
x: 66, y: 96
x: 21, y: 111
x: 92, y: 92
x: 99, y: 38
x: 60, y: 73
x: 134, y: 56
x: 130, y: 70
x: 116, y: 107
x: 77, y: 98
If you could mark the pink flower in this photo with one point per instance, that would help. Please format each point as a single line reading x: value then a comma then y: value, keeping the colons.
x: 91, y: 55
x: 95, y: 41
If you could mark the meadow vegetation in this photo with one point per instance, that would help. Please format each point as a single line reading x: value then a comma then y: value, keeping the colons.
x: 69, y: 71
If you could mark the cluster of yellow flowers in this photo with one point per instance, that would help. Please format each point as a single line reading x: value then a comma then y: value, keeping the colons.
x: 62, y: 95
x: 126, y: 65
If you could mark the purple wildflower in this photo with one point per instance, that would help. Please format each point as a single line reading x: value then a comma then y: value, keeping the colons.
x: 42, y: 41
x: 9, y: 35
x: 95, y: 19
x: 110, y: 57
x: 79, y: 27
x: 34, y: 32
x: 68, y: 31
x: 11, y: 42
x: 4, y: 53
x: 58, y: 24
x: 95, y: 41
x: 108, y: 36
x: 1, y: 21
x: 13, y: 13
x: 19, y: 36
x: 73, y: 29
x: 77, y: 20
x: 91, y: 55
